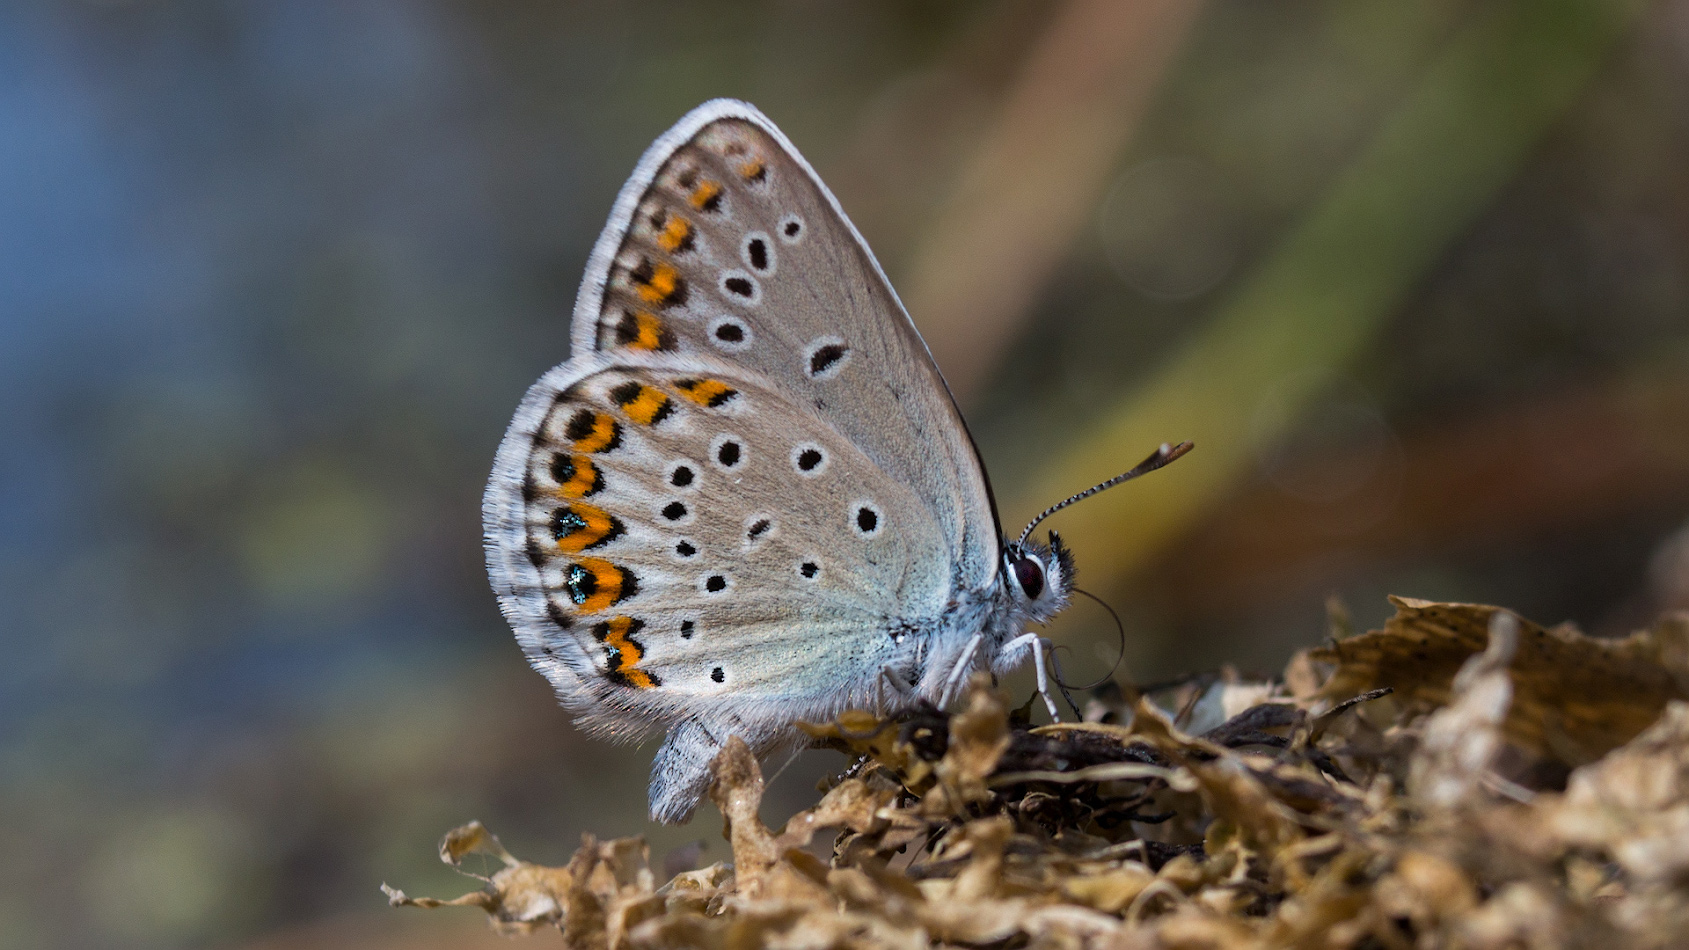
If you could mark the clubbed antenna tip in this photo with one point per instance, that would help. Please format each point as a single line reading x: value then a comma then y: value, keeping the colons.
x: 1160, y: 457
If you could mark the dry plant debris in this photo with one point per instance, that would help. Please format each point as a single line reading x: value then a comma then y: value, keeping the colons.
x: 1460, y: 779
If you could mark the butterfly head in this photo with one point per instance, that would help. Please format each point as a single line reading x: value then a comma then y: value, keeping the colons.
x: 1040, y: 577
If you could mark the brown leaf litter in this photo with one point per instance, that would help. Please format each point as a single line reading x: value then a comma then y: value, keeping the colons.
x: 1460, y: 779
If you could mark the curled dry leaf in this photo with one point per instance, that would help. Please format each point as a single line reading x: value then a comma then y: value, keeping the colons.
x: 978, y: 737
x: 1315, y: 814
x: 1575, y: 697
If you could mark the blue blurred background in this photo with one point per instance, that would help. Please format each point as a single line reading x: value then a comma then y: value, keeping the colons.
x: 274, y: 275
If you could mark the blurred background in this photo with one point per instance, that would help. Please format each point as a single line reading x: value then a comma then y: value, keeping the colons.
x: 273, y: 276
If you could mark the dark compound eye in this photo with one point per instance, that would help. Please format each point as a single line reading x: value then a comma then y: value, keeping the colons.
x: 1030, y: 574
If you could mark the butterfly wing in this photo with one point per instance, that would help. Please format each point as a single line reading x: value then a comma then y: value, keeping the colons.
x: 726, y: 242
x: 749, y: 491
x: 679, y: 544
x: 681, y: 532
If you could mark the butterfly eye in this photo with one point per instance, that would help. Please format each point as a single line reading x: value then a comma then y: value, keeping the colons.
x: 1030, y: 575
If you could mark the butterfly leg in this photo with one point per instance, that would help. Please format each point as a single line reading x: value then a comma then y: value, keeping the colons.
x: 959, y: 672
x: 1061, y: 684
x: 1039, y: 646
x: 903, y: 694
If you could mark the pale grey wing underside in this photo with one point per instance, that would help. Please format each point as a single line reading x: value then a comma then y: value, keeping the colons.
x: 671, y: 539
x: 730, y: 307
x: 726, y: 243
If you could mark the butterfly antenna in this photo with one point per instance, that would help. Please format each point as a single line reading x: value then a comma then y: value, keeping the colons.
x: 1162, y: 456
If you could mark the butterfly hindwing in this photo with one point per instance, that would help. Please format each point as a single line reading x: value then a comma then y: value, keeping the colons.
x: 684, y: 535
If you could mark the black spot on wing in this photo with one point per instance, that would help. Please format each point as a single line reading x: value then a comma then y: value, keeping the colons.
x: 558, y: 615
x: 580, y: 425
x: 825, y: 356
x: 867, y: 520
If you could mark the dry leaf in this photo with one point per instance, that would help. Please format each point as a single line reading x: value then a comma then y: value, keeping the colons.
x: 1289, y: 822
x: 1634, y: 804
x: 1575, y: 697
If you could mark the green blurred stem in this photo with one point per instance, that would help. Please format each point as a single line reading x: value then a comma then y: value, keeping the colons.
x: 1314, y: 303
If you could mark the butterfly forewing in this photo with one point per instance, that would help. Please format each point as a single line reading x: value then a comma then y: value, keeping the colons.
x: 735, y: 249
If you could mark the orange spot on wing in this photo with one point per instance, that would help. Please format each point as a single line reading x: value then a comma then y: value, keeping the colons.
x: 710, y: 393
x: 578, y: 527
x: 624, y: 652
x: 594, y: 432
x: 595, y: 584
x: 643, y: 331
x: 660, y: 286
x: 645, y: 405
x: 707, y: 196
x: 753, y: 170
x: 581, y: 478
x: 676, y: 235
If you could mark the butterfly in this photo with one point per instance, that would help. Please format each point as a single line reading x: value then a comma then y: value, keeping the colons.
x: 748, y: 498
